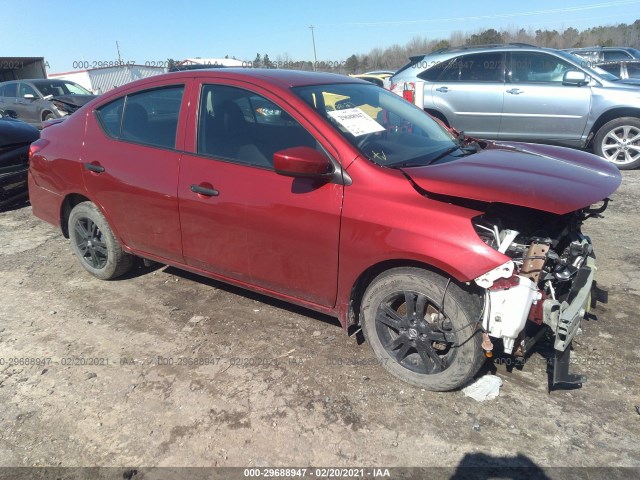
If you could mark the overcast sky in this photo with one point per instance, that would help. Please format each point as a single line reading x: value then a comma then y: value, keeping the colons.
x: 147, y: 31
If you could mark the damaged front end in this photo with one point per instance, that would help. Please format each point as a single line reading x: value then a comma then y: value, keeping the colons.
x: 68, y: 104
x: 548, y: 280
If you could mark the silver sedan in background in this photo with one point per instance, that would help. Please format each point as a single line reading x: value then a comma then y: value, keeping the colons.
x: 34, y: 101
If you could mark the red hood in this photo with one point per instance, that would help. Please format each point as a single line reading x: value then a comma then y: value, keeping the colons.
x: 553, y: 179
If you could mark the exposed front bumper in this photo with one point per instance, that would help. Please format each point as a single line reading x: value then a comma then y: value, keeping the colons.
x: 565, y: 317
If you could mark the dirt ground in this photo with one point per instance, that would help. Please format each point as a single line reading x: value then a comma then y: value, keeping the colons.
x: 165, y: 368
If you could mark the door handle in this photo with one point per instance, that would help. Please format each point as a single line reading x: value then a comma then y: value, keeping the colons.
x: 442, y: 89
x: 209, y: 192
x: 93, y: 168
x: 515, y: 91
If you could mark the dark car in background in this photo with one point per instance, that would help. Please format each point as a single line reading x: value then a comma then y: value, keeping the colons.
x: 34, y: 101
x: 628, y: 71
x: 605, y: 54
x: 15, y: 138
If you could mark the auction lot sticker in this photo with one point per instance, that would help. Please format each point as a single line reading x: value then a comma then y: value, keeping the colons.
x: 356, y: 121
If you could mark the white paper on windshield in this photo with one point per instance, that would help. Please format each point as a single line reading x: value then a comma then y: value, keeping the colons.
x: 356, y: 121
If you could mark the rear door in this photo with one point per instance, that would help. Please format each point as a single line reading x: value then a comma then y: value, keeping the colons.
x: 27, y: 109
x: 242, y: 220
x: 131, y: 162
x: 537, y: 106
x: 8, y: 97
x: 470, y: 93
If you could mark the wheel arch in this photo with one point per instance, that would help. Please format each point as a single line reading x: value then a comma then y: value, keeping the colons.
x: 609, y: 115
x: 438, y: 115
x: 70, y: 201
x: 367, y: 276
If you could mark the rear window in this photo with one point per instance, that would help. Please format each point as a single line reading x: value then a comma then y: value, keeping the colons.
x: 413, y: 61
x: 434, y: 72
x: 149, y: 117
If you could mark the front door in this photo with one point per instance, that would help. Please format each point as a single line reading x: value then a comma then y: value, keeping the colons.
x: 537, y: 106
x: 242, y: 220
x: 27, y: 108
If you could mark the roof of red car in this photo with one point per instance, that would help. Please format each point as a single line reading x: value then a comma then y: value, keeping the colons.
x: 284, y: 78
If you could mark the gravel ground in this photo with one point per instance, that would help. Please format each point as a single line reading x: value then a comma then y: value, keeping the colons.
x: 165, y: 368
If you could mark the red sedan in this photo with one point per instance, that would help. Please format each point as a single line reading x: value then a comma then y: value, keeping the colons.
x: 332, y: 193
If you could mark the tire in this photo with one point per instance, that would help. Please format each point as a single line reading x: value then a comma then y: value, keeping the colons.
x: 618, y: 141
x: 95, y: 245
x: 425, y: 349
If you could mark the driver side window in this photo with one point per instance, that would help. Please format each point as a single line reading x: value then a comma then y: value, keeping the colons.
x: 537, y: 68
x: 25, y: 89
x: 242, y: 127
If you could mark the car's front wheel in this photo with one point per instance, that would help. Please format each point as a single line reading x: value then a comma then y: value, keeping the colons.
x: 619, y: 142
x: 418, y: 337
x: 95, y: 245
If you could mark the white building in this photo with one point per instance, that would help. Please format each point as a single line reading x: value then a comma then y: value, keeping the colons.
x: 214, y: 62
x: 101, y: 80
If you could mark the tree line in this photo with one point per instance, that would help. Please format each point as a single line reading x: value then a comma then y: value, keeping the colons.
x: 395, y: 56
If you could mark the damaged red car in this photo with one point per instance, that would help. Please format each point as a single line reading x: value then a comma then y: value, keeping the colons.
x: 332, y: 193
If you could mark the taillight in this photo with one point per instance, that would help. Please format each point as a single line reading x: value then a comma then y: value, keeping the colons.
x: 408, y: 92
x: 37, y: 146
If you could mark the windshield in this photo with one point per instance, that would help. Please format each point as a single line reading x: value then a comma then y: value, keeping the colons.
x: 58, y: 88
x: 386, y: 128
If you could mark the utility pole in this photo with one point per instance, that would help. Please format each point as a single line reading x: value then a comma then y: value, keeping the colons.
x: 315, y: 58
x: 119, y: 58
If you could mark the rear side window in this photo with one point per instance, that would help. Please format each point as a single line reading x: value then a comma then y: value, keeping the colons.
x: 616, y: 55
x: 110, y: 116
x: 477, y: 67
x: 149, y: 117
x: 8, y: 90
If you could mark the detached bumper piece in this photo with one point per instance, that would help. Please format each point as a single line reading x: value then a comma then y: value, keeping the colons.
x: 565, y: 318
x: 561, y: 378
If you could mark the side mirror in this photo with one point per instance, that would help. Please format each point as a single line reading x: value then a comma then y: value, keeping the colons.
x: 29, y: 96
x: 575, y: 78
x: 302, y: 162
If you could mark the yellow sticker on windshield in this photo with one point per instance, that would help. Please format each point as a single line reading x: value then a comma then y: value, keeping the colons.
x: 356, y: 121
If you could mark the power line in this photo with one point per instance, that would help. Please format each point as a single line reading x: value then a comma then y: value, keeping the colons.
x: 491, y: 17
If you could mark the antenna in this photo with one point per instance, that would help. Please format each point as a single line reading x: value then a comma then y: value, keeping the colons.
x: 119, y: 58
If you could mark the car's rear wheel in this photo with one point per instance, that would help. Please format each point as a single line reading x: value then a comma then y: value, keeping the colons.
x: 619, y: 142
x: 94, y: 243
x: 414, y: 337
